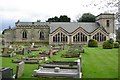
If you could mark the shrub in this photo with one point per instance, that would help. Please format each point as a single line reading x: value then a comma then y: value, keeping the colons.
x: 118, y: 41
x: 111, y: 40
x: 116, y: 45
x: 107, y: 45
x: 92, y: 43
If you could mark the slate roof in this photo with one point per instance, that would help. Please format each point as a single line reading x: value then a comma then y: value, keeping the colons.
x: 71, y: 26
x: 68, y: 26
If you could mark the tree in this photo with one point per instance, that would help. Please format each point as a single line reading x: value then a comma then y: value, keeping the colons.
x: 62, y: 18
x: 87, y: 17
x: 53, y: 19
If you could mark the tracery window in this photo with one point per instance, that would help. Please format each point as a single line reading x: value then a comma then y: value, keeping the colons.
x: 99, y: 37
x: 60, y: 37
x: 80, y: 37
x: 42, y: 37
x: 24, y: 34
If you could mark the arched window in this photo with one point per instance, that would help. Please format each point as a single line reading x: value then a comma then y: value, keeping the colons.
x: 60, y: 37
x: 54, y: 39
x: 24, y: 35
x: 108, y: 23
x: 80, y: 37
x: 99, y: 37
x: 42, y: 35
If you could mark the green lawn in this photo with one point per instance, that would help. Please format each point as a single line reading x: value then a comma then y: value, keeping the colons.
x: 100, y: 63
x: 59, y: 58
x: 96, y: 63
x: 28, y: 70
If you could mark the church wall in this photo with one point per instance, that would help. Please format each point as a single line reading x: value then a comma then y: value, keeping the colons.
x: 109, y: 29
x: 19, y: 35
x: 50, y: 39
x: 33, y: 34
x: 37, y: 34
x: 9, y: 35
x: 102, y: 19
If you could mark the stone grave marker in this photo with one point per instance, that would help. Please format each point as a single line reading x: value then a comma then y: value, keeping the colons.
x: 25, y: 50
x: 5, y: 50
x: 20, y: 69
x: 10, y: 46
x: 51, y: 54
x: 6, y: 73
x: 32, y: 45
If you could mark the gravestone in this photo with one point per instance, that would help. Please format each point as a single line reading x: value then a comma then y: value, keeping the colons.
x: 20, y: 69
x: 24, y: 50
x: 10, y: 46
x: 51, y: 53
x: 5, y: 50
x: 6, y: 73
x: 32, y: 45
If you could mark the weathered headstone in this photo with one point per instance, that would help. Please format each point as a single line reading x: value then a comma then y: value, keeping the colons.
x: 25, y: 50
x: 32, y: 45
x: 10, y: 46
x: 51, y: 53
x: 5, y: 50
x: 20, y: 69
x: 6, y: 73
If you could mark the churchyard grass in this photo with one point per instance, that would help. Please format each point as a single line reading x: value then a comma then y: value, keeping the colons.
x: 28, y: 69
x: 100, y: 63
x: 96, y: 63
x: 43, y: 48
x: 59, y: 58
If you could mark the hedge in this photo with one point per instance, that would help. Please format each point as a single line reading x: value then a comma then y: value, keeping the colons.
x: 116, y: 45
x: 118, y: 41
x: 92, y: 43
x: 107, y: 45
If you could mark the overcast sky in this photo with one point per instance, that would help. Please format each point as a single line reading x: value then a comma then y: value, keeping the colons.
x: 33, y: 10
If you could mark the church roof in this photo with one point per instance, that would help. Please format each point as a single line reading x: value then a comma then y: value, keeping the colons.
x: 68, y: 26
x: 71, y: 26
x: 30, y: 23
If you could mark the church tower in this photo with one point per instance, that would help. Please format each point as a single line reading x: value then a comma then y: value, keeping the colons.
x: 106, y: 20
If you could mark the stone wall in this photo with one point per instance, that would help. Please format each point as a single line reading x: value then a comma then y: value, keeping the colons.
x: 9, y: 35
x: 102, y: 20
x: 33, y: 34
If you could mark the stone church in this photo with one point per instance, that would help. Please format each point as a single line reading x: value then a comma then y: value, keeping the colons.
x: 61, y: 32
